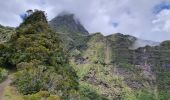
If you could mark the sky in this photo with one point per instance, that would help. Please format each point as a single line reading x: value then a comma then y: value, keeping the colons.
x: 145, y: 19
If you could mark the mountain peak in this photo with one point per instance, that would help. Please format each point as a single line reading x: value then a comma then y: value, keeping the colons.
x: 67, y: 23
x: 34, y: 17
x: 34, y: 22
x: 65, y: 13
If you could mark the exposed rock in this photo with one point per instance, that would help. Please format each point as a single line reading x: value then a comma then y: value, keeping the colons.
x: 81, y: 60
x: 67, y: 23
x: 134, y: 84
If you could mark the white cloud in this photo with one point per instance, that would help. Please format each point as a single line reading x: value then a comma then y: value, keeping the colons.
x: 134, y: 17
x: 162, y: 21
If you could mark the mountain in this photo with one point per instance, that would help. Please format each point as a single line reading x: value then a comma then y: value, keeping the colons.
x: 41, y: 65
x: 69, y: 29
x: 121, y: 67
x: 67, y: 23
x: 61, y: 60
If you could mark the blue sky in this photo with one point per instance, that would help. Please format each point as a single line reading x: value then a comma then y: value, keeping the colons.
x: 146, y: 19
x: 162, y: 6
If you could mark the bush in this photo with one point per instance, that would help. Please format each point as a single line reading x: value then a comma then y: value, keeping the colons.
x: 3, y: 74
x: 42, y: 95
x: 39, y: 58
x: 145, y: 95
x: 35, y: 77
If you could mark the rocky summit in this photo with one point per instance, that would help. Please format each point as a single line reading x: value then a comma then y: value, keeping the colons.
x: 67, y: 23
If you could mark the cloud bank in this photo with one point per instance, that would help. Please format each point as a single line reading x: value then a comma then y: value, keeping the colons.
x: 146, y: 19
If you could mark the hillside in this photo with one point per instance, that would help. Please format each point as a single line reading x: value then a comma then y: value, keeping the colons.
x: 5, y: 33
x: 116, y: 67
x: 60, y: 60
x: 69, y: 28
x: 35, y: 51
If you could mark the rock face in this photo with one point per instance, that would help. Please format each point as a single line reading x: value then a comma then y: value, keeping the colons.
x: 67, y: 23
x: 70, y: 30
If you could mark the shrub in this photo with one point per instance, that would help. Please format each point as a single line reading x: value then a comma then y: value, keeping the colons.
x: 39, y: 58
x: 42, y: 95
x: 3, y: 74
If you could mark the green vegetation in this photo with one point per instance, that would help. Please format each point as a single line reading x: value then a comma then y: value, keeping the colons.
x: 3, y: 74
x: 5, y: 33
x: 72, y: 65
x: 144, y: 94
x: 163, y: 73
x: 42, y: 95
x: 41, y: 64
x: 120, y: 77
x: 11, y: 93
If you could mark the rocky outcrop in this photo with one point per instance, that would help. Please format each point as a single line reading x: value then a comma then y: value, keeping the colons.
x: 67, y: 23
x: 70, y: 30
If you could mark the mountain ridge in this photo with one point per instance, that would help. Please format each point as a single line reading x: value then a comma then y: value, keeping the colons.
x: 71, y: 65
x: 67, y: 22
x: 137, y: 61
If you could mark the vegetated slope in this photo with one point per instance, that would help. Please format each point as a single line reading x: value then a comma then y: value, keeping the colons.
x: 5, y: 33
x: 66, y: 22
x: 70, y: 30
x: 104, y: 67
x: 113, y: 77
x: 111, y: 69
x: 41, y: 63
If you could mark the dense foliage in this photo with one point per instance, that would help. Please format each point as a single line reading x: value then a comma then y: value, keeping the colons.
x: 112, y: 70
x: 3, y: 74
x: 5, y: 33
x: 73, y: 65
x: 39, y: 58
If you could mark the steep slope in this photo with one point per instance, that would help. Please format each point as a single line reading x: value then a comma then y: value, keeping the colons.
x: 42, y: 65
x: 107, y: 67
x: 96, y: 67
x: 120, y: 66
x: 162, y: 64
x: 70, y: 30
x: 5, y: 33
x: 67, y: 23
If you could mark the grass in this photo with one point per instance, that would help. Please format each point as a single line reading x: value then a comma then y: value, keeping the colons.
x: 144, y: 94
x: 11, y: 93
